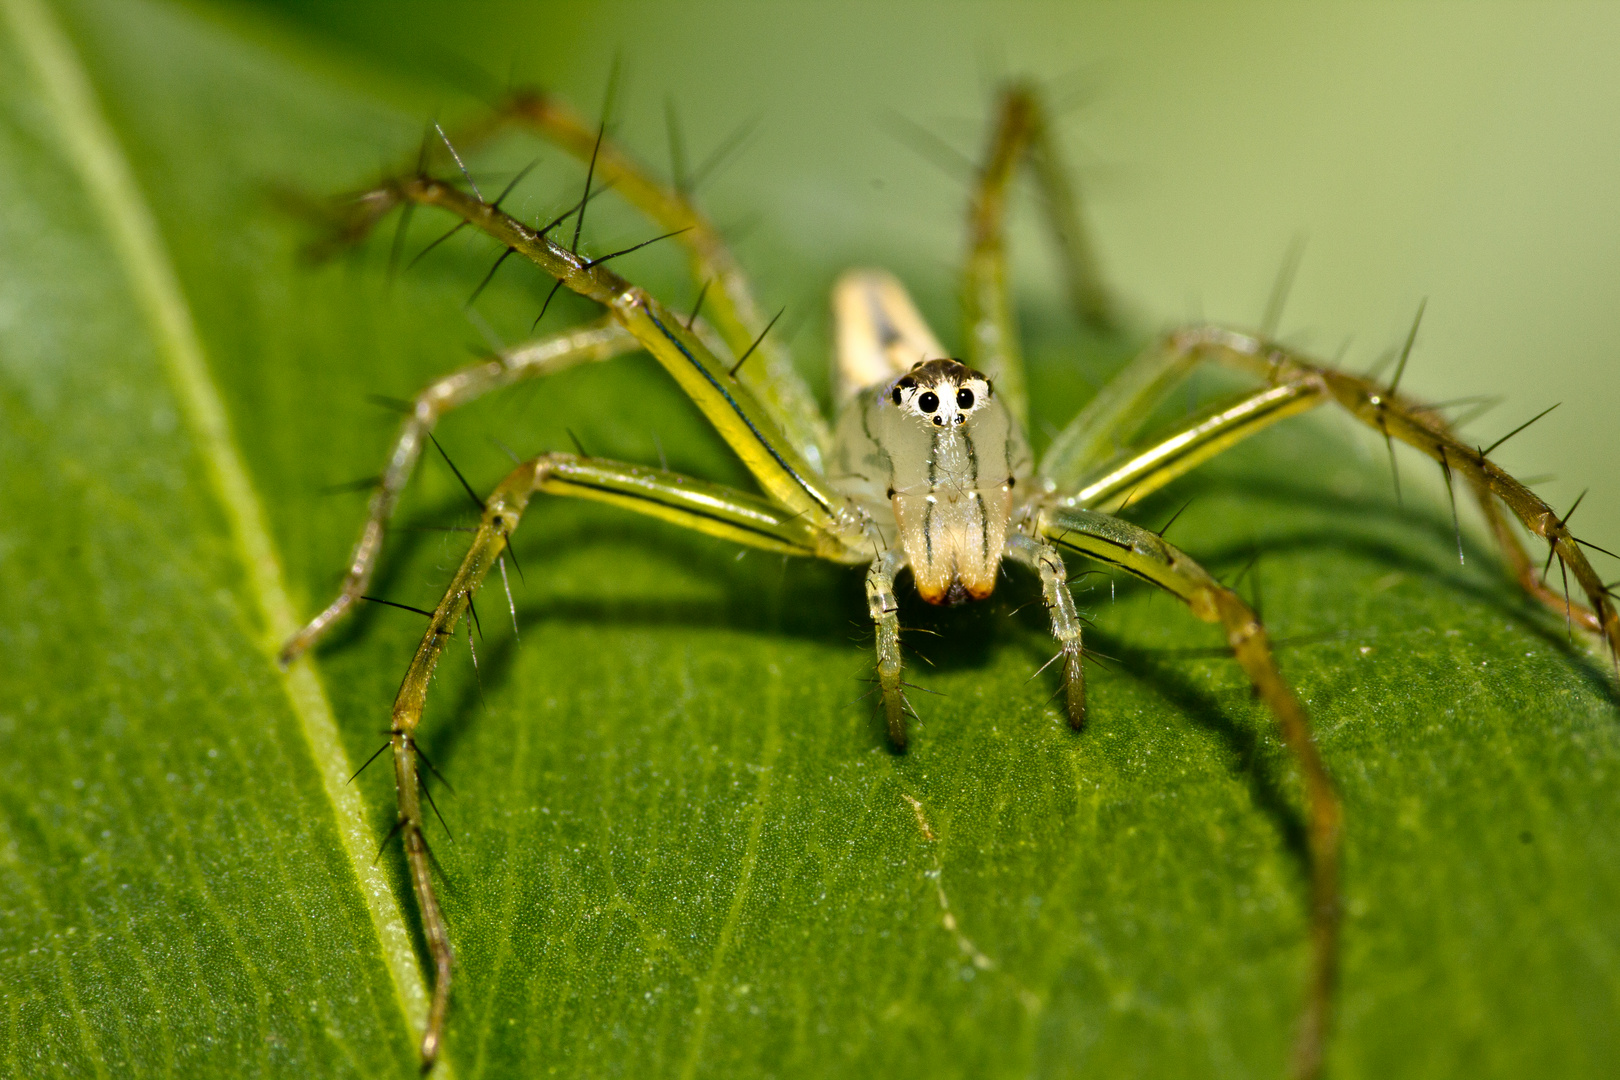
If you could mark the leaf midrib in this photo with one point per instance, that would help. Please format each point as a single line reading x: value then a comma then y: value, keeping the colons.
x: 94, y: 153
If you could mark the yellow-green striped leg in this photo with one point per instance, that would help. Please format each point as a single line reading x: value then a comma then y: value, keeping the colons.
x: 885, y: 611
x: 1045, y: 560
x: 1021, y: 135
x: 707, y: 508
x: 598, y: 341
x: 712, y: 384
x: 729, y: 304
x: 1142, y: 471
x: 1085, y: 469
x: 1143, y: 554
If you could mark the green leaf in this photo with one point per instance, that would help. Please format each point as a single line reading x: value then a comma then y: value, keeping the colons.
x: 680, y: 844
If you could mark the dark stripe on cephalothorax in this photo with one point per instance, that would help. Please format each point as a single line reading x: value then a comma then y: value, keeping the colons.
x: 933, y: 486
x: 676, y: 507
x: 884, y: 459
x: 984, y: 527
x: 887, y: 334
x: 978, y: 501
x: 758, y: 435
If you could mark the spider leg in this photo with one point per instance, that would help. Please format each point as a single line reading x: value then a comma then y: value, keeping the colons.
x: 1142, y: 553
x: 885, y: 611
x: 1085, y: 469
x: 1045, y: 560
x: 695, y: 504
x: 599, y: 341
x: 731, y: 407
x: 1141, y: 471
x: 1021, y: 135
x: 731, y: 307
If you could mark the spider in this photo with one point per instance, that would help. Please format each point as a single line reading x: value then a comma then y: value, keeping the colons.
x: 926, y: 469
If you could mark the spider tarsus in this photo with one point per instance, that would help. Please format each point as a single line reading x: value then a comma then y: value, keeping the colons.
x: 895, y: 705
x: 1074, y: 685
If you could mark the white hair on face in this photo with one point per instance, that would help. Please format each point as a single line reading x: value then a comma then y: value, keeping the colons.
x: 944, y: 393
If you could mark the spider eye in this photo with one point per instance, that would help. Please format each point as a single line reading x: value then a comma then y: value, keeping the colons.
x: 964, y: 398
x: 896, y: 395
x: 928, y: 401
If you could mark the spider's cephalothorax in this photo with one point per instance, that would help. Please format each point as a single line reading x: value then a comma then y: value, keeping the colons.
x: 929, y: 468
x: 936, y: 453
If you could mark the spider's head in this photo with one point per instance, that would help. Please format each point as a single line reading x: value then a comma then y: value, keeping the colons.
x: 941, y: 393
x: 955, y: 456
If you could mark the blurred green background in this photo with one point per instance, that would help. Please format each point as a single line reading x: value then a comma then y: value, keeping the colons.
x: 682, y: 847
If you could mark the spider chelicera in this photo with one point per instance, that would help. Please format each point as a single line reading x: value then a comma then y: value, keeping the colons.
x: 927, y: 467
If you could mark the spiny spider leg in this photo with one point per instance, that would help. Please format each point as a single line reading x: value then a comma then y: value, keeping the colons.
x: 1078, y: 464
x: 732, y: 309
x: 739, y: 416
x: 599, y: 341
x: 990, y: 329
x: 885, y: 611
x: 1046, y: 561
x: 694, y: 504
x: 1145, y: 555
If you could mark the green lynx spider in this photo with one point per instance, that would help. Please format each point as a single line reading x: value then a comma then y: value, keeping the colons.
x: 927, y: 468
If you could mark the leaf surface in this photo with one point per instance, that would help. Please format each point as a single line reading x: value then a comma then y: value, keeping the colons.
x: 679, y: 845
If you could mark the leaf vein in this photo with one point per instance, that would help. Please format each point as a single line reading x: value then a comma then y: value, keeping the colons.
x: 94, y: 152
